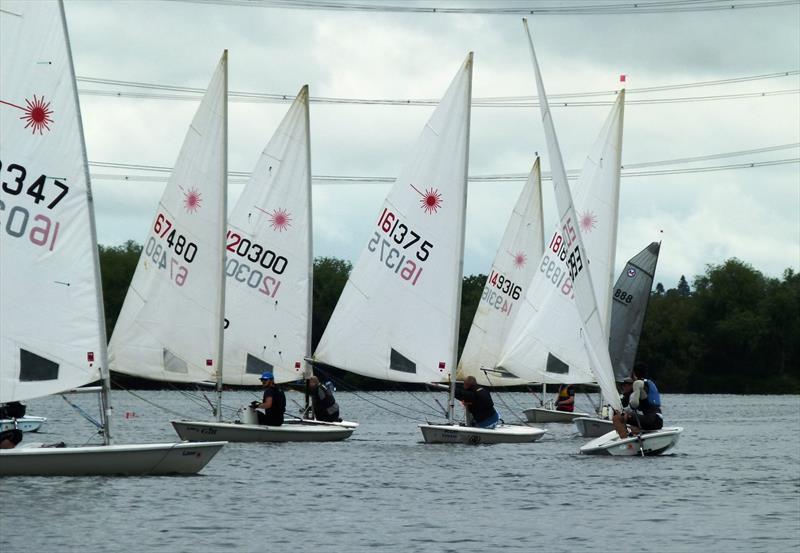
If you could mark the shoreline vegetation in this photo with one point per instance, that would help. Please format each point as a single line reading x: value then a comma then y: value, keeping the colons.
x: 732, y: 331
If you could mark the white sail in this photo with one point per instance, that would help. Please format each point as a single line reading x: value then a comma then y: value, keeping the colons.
x: 569, y: 254
x: 545, y: 344
x: 52, y: 334
x: 169, y: 325
x: 515, y: 264
x: 397, y: 318
x: 268, y: 263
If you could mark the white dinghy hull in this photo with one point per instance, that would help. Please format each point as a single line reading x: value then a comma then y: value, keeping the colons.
x: 502, y: 434
x: 290, y: 431
x: 651, y: 443
x: 24, y: 424
x: 108, y: 460
x: 590, y: 427
x: 541, y: 415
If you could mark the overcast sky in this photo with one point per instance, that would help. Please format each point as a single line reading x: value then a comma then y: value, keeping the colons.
x: 753, y: 214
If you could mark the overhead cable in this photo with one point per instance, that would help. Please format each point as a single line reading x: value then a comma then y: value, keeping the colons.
x: 530, y: 8
x: 193, y: 94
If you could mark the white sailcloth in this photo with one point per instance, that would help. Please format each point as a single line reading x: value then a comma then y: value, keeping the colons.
x: 52, y: 334
x: 268, y: 260
x: 506, y: 286
x: 397, y: 318
x: 545, y: 344
x: 570, y: 255
x: 170, y: 321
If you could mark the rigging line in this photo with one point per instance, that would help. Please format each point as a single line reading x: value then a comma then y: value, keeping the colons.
x: 476, y: 103
x: 356, y: 393
x: 154, y: 404
x: 82, y: 413
x: 502, y: 400
x: 626, y: 8
x: 432, y: 101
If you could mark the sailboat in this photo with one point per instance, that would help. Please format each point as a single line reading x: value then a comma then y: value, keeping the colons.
x: 545, y: 343
x: 269, y: 269
x: 52, y: 328
x: 397, y: 318
x: 571, y: 253
x: 630, y: 296
x: 506, y: 284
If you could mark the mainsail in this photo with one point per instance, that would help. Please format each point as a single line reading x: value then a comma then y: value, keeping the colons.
x: 269, y: 264
x: 171, y: 319
x: 545, y: 344
x: 52, y: 333
x: 515, y: 264
x: 397, y: 318
x: 569, y: 254
x: 630, y: 296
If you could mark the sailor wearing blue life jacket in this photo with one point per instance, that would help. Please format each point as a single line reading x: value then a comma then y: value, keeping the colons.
x: 478, y: 404
x: 642, y: 396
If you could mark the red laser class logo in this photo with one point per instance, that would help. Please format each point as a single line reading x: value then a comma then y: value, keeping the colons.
x: 36, y: 114
x: 588, y: 221
x: 192, y: 200
x: 279, y: 219
x: 520, y: 259
x: 431, y: 199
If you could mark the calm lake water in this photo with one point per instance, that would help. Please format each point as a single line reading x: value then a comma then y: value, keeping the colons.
x: 732, y: 484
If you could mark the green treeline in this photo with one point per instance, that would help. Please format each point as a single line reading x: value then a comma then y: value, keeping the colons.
x: 734, y: 331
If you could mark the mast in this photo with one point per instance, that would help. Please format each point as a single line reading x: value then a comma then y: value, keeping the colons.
x: 451, y: 401
x: 105, y: 378
x: 309, y: 239
x: 224, y: 217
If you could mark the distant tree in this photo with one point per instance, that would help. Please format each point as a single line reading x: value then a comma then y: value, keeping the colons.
x: 117, y: 265
x: 471, y: 290
x: 683, y: 287
x: 659, y: 289
x: 330, y: 276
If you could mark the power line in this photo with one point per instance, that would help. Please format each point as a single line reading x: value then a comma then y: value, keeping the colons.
x: 628, y: 170
x: 193, y: 94
x: 618, y: 8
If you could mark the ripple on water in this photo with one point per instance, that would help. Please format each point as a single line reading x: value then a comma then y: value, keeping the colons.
x: 731, y: 486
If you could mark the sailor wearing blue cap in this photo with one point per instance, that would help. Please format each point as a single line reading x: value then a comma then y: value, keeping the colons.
x: 273, y: 403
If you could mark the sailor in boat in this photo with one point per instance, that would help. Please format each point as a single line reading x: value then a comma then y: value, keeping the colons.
x: 644, y: 400
x: 478, y: 403
x: 273, y: 402
x: 566, y: 398
x: 10, y: 438
x: 323, y: 403
x: 13, y: 410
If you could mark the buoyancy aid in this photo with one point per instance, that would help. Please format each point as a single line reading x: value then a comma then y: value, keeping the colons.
x: 563, y: 393
x: 324, y: 402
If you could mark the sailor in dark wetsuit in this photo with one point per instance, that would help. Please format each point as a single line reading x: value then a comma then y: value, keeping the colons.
x: 322, y: 401
x: 478, y: 403
x: 273, y: 403
x: 643, y: 397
